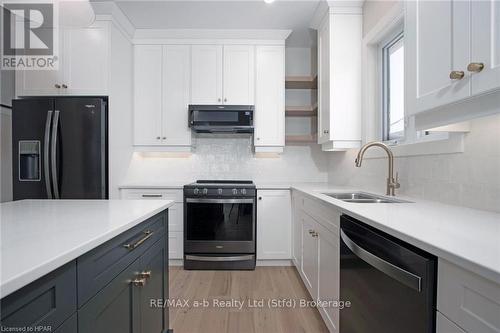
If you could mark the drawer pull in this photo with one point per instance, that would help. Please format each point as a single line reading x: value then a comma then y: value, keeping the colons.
x: 148, y: 235
x: 151, y: 195
x: 145, y: 274
x: 139, y: 282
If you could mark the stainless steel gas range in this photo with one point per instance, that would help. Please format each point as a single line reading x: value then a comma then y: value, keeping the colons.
x: 220, y: 225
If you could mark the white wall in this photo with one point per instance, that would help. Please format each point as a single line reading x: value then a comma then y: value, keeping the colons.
x: 373, y: 10
x: 470, y: 179
x: 120, y: 111
x: 7, y: 91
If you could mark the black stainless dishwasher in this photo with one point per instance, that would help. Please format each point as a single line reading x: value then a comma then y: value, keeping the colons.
x: 391, y: 284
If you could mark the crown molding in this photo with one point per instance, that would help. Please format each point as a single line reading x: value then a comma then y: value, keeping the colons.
x: 110, y: 11
x: 204, y: 36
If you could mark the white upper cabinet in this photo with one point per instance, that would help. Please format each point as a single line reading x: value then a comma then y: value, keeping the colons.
x: 452, y: 52
x: 84, y: 56
x: 206, y: 74
x: 239, y: 72
x: 161, y: 95
x: 85, y: 60
x: 485, y: 18
x: 147, y: 94
x: 274, y: 229
x: 222, y: 74
x: 175, y: 91
x: 437, y: 47
x: 270, y: 97
x: 339, y: 79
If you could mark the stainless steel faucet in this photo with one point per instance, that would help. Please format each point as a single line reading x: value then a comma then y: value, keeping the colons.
x: 392, y: 183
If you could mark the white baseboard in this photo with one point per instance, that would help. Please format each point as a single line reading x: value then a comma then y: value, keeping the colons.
x: 275, y: 262
x: 175, y: 262
x: 281, y: 262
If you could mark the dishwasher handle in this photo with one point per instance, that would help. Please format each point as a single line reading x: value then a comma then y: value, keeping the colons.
x: 407, y: 278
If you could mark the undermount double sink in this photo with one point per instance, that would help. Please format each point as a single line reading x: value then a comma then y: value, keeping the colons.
x: 362, y: 197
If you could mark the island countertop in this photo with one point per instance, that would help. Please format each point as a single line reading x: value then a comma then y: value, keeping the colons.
x: 39, y: 236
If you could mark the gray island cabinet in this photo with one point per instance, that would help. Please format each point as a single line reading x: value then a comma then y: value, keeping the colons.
x: 108, y: 289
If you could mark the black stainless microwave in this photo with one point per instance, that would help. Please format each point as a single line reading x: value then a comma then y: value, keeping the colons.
x: 221, y: 118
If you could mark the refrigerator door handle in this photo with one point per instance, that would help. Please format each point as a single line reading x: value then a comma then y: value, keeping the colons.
x: 53, y: 149
x: 46, y: 144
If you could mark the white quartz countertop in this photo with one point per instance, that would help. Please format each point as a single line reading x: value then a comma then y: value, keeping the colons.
x: 466, y: 237
x: 39, y: 236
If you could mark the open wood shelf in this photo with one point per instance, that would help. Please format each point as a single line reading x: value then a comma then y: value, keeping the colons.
x: 308, y: 138
x: 302, y: 111
x: 301, y: 82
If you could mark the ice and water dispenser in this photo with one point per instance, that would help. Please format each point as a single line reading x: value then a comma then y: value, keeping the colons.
x: 29, y: 160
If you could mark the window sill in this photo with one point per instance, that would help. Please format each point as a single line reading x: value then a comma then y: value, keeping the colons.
x: 447, y: 144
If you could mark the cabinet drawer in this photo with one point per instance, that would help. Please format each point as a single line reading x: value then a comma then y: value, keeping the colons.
x: 444, y: 325
x: 324, y: 214
x: 468, y: 299
x: 122, y: 306
x: 48, y: 301
x: 98, y: 267
x: 175, y: 245
x: 153, y: 194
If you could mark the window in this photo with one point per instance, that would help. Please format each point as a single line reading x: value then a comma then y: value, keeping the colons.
x: 393, y: 101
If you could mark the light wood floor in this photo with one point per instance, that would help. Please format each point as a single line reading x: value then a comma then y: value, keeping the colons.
x: 263, y: 283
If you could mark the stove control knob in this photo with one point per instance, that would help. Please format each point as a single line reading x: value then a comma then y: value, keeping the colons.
x: 205, y: 191
x: 196, y: 191
x: 219, y: 191
x: 235, y: 191
x: 243, y: 191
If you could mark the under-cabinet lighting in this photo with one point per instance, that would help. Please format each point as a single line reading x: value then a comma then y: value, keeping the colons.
x: 268, y: 1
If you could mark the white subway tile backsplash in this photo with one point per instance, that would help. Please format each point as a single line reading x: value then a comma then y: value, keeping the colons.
x: 469, y: 179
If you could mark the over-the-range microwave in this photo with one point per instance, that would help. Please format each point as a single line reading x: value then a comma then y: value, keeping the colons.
x: 221, y: 118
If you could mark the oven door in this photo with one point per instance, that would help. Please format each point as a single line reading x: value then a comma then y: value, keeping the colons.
x: 219, y: 225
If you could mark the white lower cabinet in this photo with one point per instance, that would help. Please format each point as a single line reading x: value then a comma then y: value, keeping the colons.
x: 328, y: 274
x: 467, y: 299
x: 309, y: 265
x: 274, y: 226
x: 444, y: 325
x: 297, y: 204
x: 175, y: 245
x: 175, y: 214
x: 319, y: 263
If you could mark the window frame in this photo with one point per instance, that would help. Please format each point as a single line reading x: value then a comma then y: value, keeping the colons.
x: 392, y: 39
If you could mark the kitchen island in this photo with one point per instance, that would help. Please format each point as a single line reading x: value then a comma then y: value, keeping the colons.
x: 98, y: 260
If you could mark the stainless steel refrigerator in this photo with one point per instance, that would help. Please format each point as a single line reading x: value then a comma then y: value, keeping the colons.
x: 60, y: 148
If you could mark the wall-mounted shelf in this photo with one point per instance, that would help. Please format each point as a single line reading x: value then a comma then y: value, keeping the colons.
x: 308, y: 138
x: 302, y: 111
x: 301, y: 82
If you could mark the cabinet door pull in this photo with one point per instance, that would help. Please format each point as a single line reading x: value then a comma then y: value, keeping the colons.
x: 64, y: 86
x: 457, y: 75
x: 145, y: 274
x: 135, y: 245
x: 139, y: 282
x: 475, y: 67
x: 151, y: 195
x: 58, y: 86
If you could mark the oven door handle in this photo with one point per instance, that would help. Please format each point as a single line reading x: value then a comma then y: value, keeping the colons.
x: 222, y: 258
x: 407, y: 278
x: 222, y: 201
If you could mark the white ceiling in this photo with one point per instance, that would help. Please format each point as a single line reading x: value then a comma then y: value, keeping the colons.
x: 228, y: 14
